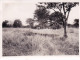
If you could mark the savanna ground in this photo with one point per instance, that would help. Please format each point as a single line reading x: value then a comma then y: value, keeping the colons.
x: 25, y: 41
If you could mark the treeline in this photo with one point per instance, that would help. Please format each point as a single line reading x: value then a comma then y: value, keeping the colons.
x: 18, y: 24
x: 76, y: 24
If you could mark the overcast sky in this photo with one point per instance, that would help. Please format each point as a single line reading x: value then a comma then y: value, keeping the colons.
x: 22, y: 11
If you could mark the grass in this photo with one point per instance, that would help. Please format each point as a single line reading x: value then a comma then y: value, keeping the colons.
x: 24, y: 41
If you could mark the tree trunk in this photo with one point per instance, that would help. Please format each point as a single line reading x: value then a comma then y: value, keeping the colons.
x: 65, y: 19
x: 65, y: 23
x: 65, y: 32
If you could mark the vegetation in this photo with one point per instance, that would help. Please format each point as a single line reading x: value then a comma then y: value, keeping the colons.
x: 41, y: 13
x: 57, y: 19
x: 32, y: 40
x: 42, y: 16
x: 30, y: 21
x: 19, y: 42
x: 63, y: 7
x: 4, y: 24
x: 17, y: 23
x: 76, y: 23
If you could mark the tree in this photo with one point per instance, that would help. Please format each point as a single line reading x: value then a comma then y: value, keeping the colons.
x: 17, y: 23
x: 63, y: 7
x: 4, y: 24
x: 42, y: 14
x: 30, y: 21
x: 57, y: 17
x: 76, y: 23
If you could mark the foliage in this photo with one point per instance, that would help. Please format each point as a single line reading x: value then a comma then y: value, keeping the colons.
x: 30, y: 21
x: 4, y: 23
x: 76, y: 23
x: 17, y: 23
x: 57, y: 17
x: 63, y: 7
x: 41, y: 14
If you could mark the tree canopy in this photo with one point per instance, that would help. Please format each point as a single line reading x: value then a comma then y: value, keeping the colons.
x: 41, y: 13
x: 57, y: 17
x: 4, y: 23
x: 17, y: 23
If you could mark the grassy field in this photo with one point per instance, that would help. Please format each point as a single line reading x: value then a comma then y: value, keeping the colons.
x: 24, y: 41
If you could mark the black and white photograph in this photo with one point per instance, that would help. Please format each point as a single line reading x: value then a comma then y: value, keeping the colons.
x: 40, y: 28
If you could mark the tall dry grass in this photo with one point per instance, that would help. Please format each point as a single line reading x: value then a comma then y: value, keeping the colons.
x: 23, y: 41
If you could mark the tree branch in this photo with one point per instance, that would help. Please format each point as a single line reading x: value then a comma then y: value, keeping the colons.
x: 64, y: 9
x: 58, y: 24
x: 59, y: 9
x: 54, y: 10
x: 68, y: 15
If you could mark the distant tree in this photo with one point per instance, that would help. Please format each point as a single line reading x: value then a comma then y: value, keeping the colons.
x: 4, y: 23
x: 63, y: 7
x: 76, y: 23
x: 30, y: 21
x: 10, y: 25
x: 17, y: 23
x: 69, y: 25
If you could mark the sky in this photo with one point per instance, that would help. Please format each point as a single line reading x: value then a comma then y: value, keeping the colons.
x: 23, y: 11
x: 74, y: 14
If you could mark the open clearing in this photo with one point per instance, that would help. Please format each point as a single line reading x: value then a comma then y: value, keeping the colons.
x: 32, y: 42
